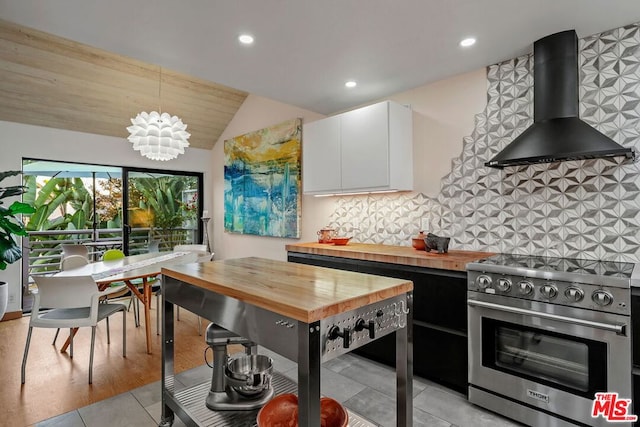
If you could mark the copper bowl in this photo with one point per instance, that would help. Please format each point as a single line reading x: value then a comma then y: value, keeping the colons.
x: 340, y: 241
x: 282, y: 411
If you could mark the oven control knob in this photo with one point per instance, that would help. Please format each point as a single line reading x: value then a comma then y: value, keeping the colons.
x: 483, y: 282
x: 503, y: 285
x: 602, y: 298
x: 549, y: 291
x: 525, y: 287
x: 574, y: 294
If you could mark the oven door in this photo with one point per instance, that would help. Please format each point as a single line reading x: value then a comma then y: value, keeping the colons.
x: 547, y: 360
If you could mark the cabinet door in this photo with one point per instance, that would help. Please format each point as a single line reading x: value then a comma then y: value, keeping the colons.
x: 321, y: 156
x: 365, y: 148
x: 635, y: 328
x: 439, y: 296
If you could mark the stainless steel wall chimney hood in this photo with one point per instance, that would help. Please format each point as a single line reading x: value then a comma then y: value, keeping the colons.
x: 557, y: 133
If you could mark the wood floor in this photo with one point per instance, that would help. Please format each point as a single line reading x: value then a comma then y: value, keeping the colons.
x: 56, y: 384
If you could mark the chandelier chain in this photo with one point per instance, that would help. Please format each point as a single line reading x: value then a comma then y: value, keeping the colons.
x: 157, y: 135
x: 160, y: 91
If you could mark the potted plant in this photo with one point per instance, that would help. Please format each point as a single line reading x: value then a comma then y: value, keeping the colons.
x: 10, y: 228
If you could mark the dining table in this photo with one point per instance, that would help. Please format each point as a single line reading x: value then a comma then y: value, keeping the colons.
x: 128, y: 269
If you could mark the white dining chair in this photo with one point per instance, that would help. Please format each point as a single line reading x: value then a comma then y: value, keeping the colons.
x: 74, y: 249
x: 69, y: 263
x: 203, y: 255
x: 72, y: 302
x: 73, y: 261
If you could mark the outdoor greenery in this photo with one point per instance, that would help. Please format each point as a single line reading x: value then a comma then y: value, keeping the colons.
x: 10, y: 224
x: 155, y: 202
x: 64, y: 204
x: 61, y: 204
x: 109, y: 213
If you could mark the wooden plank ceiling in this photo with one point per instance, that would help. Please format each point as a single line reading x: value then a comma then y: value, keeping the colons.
x: 50, y: 81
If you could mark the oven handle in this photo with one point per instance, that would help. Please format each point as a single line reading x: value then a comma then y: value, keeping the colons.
x: 618, y: 329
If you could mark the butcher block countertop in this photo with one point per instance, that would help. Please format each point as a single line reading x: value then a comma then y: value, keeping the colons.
x: 303, y: 292
x: 453, y: 260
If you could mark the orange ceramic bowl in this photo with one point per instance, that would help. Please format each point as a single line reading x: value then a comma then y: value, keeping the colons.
x: 340, y: 241
x: 332, y: 413
x: 418, y: 243
x: 282, y: 411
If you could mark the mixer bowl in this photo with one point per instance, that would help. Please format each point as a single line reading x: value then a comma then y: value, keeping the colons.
x: 249, y: 375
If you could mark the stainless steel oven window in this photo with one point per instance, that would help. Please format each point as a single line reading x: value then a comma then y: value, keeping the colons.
x: 544, y: 356
x: 563, y: 361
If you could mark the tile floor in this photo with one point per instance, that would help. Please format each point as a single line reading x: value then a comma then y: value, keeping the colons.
x: 365, y: 387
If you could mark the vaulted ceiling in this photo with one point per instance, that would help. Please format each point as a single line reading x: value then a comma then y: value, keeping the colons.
x: 304, y: 51
x: 49, y: 81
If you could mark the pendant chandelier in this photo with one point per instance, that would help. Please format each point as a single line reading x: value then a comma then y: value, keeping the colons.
x: 158, y: 136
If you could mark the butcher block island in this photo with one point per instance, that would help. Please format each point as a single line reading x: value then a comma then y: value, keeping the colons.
x: 439, y: 301
x: 308, y: 314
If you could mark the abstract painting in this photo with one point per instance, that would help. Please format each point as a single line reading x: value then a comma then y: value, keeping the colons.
x: 262, y: 181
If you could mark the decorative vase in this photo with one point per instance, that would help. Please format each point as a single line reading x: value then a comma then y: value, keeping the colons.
x: 4, y: 298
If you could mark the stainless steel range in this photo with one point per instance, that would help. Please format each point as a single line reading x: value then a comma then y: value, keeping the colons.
x: 546, y: 335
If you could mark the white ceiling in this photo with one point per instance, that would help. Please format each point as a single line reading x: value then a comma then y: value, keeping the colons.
x: 306, y: 49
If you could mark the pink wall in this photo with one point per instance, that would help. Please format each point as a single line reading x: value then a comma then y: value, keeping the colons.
x: 444, y: 113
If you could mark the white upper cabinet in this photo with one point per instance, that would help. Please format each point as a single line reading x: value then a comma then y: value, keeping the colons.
x: 364, y: 150
x: 321, y: 156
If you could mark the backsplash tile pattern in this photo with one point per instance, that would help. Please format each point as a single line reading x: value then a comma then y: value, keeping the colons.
x: 579, y: 209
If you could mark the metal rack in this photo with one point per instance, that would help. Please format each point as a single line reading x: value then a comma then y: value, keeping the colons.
x: 192, y: 400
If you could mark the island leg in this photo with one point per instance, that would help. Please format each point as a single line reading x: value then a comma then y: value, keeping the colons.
x: 309, y: 374
x: 166, y: 419
x: 404, y: 368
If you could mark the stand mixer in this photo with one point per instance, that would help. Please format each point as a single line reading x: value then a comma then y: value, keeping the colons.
x: 241, y: 382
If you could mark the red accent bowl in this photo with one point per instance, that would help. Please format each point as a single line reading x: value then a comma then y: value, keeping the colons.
x: 340, y: 241
x: 282, y: 411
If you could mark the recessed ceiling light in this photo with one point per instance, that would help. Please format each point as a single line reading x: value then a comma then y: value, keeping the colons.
x: 245, y: 38
x: 468, y: 42
x: 351, y: 83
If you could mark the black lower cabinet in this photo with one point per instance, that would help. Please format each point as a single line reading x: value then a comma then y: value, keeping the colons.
x: 635, y: 350
x: 447, y: 364
x: 635, y: 327
x: 382, y: 350
x: 439, y: 318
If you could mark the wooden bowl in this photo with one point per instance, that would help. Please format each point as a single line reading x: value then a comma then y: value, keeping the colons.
x: 340, y: 241
x: 282, y: 411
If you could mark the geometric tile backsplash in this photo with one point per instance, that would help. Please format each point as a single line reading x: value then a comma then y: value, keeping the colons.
x: 577, y: 209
